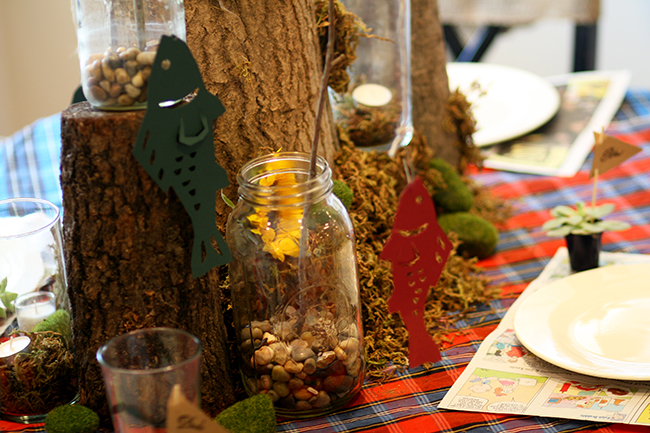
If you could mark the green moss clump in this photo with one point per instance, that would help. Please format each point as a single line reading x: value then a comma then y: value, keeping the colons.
x: 456, y: 197
x: 73, y: 418
x: 343, y: 192
x: 253, y: 415
x: 58, y: 322
x: 479, y: 238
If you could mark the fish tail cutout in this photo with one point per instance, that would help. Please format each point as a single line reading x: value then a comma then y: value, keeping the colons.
x: 422, y: 347
x: 191, y: 141
x: 200, y: 265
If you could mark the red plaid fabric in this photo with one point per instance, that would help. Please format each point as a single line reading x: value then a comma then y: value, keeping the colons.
x: 409, y: 403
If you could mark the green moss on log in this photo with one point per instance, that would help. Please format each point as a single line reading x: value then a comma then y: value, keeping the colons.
x: 343, y: 192
x: 456, y: 197
x: 478, y: 237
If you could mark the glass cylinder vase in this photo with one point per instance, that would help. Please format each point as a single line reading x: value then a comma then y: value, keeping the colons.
x: 294, y: 287
x: 117, y: 44
x: 376, y: 110
x: 37, y: 370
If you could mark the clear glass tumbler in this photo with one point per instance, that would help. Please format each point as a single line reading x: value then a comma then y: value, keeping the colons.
x: 141, y: 368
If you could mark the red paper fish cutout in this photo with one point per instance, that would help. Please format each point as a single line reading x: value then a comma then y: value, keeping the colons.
x: 418, y: 249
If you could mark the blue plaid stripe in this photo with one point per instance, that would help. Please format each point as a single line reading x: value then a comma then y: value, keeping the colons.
x: 30, y: 159
x: 29, y: 166
x: 635, y: 105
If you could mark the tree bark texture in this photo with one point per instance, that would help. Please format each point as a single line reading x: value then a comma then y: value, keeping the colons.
x: 429, y: 80
x: 128, y: 251
x: 261, y: 57
x: 128, y: 244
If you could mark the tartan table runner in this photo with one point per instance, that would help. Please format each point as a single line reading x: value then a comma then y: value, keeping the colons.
x: 409, y: 402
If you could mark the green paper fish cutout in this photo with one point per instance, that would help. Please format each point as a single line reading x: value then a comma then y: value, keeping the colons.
x: 175, y: 145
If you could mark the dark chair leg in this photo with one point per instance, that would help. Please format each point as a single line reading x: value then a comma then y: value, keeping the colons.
x: 479, y: 43
x: 584, y: 55
x: 453, y: 40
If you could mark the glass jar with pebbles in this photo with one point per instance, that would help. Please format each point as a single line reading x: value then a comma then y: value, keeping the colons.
x: 294, y: 287
x: 117, y: 43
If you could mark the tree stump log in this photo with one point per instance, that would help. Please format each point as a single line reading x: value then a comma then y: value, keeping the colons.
x: 430, y: 83
x: 128, y: 248
x: 263, y: 60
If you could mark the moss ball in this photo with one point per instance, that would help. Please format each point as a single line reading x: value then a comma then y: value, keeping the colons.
x: 253, y: 415
x: 456, y: 197
x: 479, y: 237
x: 58, y: 322
x: 343, y: 192
x: 73, y: 418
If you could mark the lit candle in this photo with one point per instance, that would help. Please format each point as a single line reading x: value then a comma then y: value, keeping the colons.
x: 9, y: 349
x: 372, y: 95
x: 33, y: 308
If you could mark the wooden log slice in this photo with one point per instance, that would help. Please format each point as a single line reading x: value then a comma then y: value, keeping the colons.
x: 128, y: 246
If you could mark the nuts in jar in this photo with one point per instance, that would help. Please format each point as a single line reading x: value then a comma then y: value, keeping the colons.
x: 118, y: 79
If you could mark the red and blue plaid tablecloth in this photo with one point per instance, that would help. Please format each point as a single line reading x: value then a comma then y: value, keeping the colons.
x: 409, y: 403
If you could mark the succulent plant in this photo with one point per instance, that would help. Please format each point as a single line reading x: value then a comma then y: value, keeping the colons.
x: 7, y: 299
x: 581, y: 220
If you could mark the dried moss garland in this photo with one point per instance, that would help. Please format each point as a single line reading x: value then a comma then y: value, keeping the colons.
x: 348, y: 30
x: 377, y: 181
x: 38, y: 381
x: 460, y: 121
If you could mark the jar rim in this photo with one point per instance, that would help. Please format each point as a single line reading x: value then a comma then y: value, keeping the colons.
x: 271, y: 164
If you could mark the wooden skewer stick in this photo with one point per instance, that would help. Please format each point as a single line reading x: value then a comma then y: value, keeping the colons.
x: 593, y: 193
x: 327, y: 68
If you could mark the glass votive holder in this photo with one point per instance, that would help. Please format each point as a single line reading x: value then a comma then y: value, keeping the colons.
x: 33, y: 308
x: 375, y: 111
x: 31, y: 251
x: 141, y: 368
x: 37, y: 374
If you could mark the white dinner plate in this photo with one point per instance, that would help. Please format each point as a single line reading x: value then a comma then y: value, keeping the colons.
x: 595, y: 322
x: 514, y: 102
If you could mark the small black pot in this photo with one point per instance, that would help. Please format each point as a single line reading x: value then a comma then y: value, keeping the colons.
x: 584, y: 251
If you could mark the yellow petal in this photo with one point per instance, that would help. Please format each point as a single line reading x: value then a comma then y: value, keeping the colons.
x: 289, y: 246
x: 268, y: 235
x: 274, y: 250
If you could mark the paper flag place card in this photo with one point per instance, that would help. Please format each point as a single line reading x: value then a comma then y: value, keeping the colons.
x: 610, y: 152
x: 175, y: 145
x: 418, y: 249
x: 183, y: 416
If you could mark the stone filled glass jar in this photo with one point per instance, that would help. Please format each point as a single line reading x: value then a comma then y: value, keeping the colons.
x: 117, y: 44
x: 294, y: 287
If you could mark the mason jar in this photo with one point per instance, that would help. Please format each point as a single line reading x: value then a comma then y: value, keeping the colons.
x: 294, y: 287
x: 117, y: 44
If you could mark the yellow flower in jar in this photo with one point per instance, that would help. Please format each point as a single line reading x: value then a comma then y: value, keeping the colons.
x: 280, y: 228
x: 259, y: 221
x: 278, y: 179
x: 282, y: 241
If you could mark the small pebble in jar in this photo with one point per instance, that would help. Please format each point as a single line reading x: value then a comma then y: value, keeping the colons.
x: 297, y: 377
x: 118, y: 79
